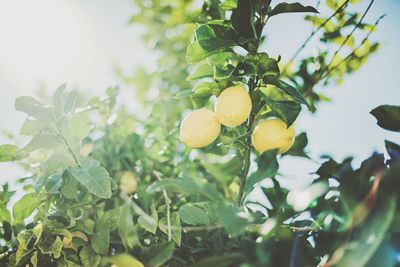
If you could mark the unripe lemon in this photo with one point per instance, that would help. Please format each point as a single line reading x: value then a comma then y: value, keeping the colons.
x: 128, y: 183
x: 233, y: 106
x: 199, y: 128
x: 273, y: 134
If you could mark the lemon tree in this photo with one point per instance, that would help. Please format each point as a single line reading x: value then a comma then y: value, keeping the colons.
x: 109, y: 188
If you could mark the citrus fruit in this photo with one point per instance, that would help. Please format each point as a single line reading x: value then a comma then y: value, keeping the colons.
x: 273, y: 134
x: 199, y: 128
x: 233, y: 106
x: 128, y: 183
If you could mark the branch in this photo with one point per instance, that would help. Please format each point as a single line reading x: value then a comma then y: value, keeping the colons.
x: 349, y: 35
x: 340, y: 9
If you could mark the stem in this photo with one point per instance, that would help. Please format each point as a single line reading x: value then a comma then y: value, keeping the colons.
x: 167, y: 202
x: 69, y: 148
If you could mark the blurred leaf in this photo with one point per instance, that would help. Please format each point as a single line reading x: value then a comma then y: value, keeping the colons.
x: 371, y: 234
x: 243, y: 19
x: 7, y: 152
x: 298, y: 147
x: 232, y: 259
x: 224, y: 169
x: 125, y: 260
x: 89, y: 258
x: 202, y: 71
x: 228, y: 4
x: 183, y: 94
x: 79, y: 126
x: 393, y: 150
x: 267, y: 168
x: 149, y: 227
x: 193, y: 215
x: 195, y: 53
x: 43, y: 141
x: 227, y: 215
x: 126, y: 227
x: 158, y: 254
x: 33, y: 108
x: 94, y: 177
x: 52, y: 246
x: 388, y: 117
x: 289, y: 8
x: 24, y: 207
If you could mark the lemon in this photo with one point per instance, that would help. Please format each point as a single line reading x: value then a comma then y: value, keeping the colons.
x: 233, y: 106
x: 273, y: 134
x: 199, y: 128
x: 128, y: 183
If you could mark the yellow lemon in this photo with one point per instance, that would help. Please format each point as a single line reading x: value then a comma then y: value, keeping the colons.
x: 199, y: 128
x: 233, y: 106
x: 273, y: 134
x: 128, y: 183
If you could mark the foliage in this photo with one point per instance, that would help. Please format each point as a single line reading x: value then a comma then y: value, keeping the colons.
x: 192, y: 207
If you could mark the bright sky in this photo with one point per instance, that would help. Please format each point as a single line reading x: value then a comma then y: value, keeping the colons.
x: 79, y: 42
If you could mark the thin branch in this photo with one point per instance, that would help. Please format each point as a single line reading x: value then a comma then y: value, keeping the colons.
x: 167, y: 202
x: 349, y: 35
x: 340, y: 9
x: 328, y: 71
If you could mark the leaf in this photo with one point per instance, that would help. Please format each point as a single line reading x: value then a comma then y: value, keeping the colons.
x: 216, y: 35
x: 89, y: 258
x: 286, y: 110
x: 33, y: 127
x: 290, y: 8
x: 58, y: 101
x: 101, y: 240
x: 149, y: 227
x: 202, y: 71
x: 228, y: 217
x: 195, y: 53
x: 224, y: 169
x: 183, y: 94
x: 94, y: 177
x: 69, y: 188
x: 371, y: 234
x: 175, y: 227
x: 232, y: 259
x: 287, y: 88
x: 125, y: 260
x: 24, y: 207
x: 267, y: 167
x: 159, y: 254
x: 388, y: 117
x: 393, y: 150
x: 43, y: 141
x: 79, y: 126
x: 7, y: 152
x: 34, y: 108
x: 53, y: 184
x: 193, y: 215
x: 298, y: 147
x: 243, y: 19
x: 228, y: 4
x: 126, y: 227
x: 51, y: 246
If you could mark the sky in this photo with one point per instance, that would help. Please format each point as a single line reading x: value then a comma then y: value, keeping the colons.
x: 49, y: 42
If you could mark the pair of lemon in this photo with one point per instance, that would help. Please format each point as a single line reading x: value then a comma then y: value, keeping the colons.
x: 201, y: 127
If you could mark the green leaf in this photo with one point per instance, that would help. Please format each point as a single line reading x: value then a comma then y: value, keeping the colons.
x: 94, y: 177
x: 193, y: 215
x: 287, y: 88
x: 126, y: 227
x: 393, y: 150
x: 216, y: 35
x: 24, y: 207
x: 298, y: 147
x: 33, y: 127
x: 58, y: 101
x: 290, y: 8
x: 243, y: 19
x: 267, y: 168
x: 89, y: 258
x: 388, y: 117
x: 376, y: 225
x: 52, y: 246
x: 69, y: 188
x: 7, y: 152
x: 159, y: 254
x: 176, y: 230
x: 224, y: 169
x: 149, y: 227
x: 34, y: 108
x: 101, y: 240
x: 79, y: 126
x: 228, y: 4
x: 43, y: 141
x: 124, y: 260
x: 231, y: 259
x: 202, y: 71
x: 195, y: 53
x: 227, y: 215
x: 24, y: 238
x: 286, y: 110
x: 183, y: 94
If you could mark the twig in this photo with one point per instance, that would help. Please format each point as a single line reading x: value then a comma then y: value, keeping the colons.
x: 328, y: 71
x: 348, y: 36
x: 340, y: 9
x: 167, y: 202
